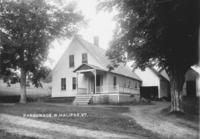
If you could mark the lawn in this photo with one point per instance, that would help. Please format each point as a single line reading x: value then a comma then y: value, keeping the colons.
x: 12, y: 93
x: 5, y: 135
x: 105, y: 118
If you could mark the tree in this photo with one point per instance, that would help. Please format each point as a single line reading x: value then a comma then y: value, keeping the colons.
x: 157, y: 32
x: 26, y: 30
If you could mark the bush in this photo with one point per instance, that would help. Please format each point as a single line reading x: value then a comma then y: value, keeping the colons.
x: 10, y: 99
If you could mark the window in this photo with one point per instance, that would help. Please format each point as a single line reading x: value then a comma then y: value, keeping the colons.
x: 73, y: 83
x: 71, y: 61
x: 84, y: 58
x: 136, y: 84
x: 98, y: 80
x: 129, y: 84
x: 114, y: 80
x: 63, y: 83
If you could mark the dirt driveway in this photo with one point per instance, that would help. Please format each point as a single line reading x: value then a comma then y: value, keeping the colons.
x: 149, y: 117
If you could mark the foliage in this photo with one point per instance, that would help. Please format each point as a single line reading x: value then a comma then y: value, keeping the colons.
x: 153, y: 32
x: 157, y: 32
x: 26, y: 30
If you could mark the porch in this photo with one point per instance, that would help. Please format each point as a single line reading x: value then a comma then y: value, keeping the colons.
x: 96, y: 87
x: 108, y: 90
x: 109, y: 95
x: 97, y: 82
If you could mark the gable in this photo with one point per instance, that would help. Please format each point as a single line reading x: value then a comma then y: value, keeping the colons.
x: 164, y: 74
x: 63, y: 58
x: 191, y: 75
x: 148, y: 77
x: 77, y: 49
x: 83, y: 67
x: 96, y: 52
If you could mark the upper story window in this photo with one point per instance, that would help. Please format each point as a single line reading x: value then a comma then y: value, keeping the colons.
x: 84, y: 58
x: 71, y: 61
x: 114, y: 80
x: 63, y: 83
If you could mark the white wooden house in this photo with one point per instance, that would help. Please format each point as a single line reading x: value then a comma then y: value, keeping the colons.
x: 83, y: 73
x: 153, y: 79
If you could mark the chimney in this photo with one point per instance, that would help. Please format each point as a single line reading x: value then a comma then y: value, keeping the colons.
x: 96, y: 41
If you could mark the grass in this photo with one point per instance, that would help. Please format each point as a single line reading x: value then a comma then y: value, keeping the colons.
x: 34, y: 92
x: 12, y: 94
x: 193, y: 118
x: 190, y: 117
x: 6, y: 135
x: 191, y: 110
x: 107, y: 118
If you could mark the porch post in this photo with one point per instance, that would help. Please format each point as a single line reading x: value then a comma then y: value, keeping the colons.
x: 95, y: 80
x: 77, y: 82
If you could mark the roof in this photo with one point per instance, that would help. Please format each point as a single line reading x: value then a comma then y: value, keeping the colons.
x: 196, y: 68
x: 100, y: 55
x: 158, y: 73
x: 87, y: 66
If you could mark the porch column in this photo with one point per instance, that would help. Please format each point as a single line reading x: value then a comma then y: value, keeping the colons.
x: 94, y: 73
x: 77, y: 82
x: 95, y: 84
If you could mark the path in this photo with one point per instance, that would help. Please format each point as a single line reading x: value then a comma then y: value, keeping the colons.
x: 149, y: 117
x: 40, y: 129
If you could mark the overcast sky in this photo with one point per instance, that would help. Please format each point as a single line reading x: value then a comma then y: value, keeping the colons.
x: 99, y: 24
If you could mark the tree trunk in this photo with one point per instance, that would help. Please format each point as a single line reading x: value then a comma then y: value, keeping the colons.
x: 23, y: 86
x: 176, y: 84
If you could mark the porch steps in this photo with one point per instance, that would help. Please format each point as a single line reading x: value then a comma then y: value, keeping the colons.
x: 82, y: 99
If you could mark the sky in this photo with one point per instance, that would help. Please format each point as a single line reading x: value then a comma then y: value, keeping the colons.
x: 100, y: 24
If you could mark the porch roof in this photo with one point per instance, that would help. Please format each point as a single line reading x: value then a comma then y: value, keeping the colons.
x: 85, y: 67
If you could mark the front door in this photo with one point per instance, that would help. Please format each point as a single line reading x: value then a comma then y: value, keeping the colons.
x: 99, y: 83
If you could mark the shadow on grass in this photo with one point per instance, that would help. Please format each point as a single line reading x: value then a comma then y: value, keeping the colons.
x: 6, y: 135
x: 189, y: 114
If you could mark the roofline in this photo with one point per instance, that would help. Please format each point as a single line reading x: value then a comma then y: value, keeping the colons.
x: 87, y: 65
x: 108, y: 72
x: 78, y: 39
x: 196, y: 71
x: 63, y: 54
x: 125, y: 76
x: 157, y: 73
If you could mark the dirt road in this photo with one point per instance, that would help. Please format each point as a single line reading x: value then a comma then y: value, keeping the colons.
x: 150, y: 118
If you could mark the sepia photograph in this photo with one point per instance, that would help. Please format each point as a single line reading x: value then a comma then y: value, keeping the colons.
x: 99, y: 69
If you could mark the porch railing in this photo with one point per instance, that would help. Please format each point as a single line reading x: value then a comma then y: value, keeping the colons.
x: 99, y: 89
x: 116, y: 89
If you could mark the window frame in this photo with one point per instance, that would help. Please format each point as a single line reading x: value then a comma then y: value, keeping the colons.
x: 84, y: 58
x: 114, y: 80
x: 71, y: 61
x: 63, y: 84
x: 136, y: 85
x: 129, y: 84
x: 74, y: 83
